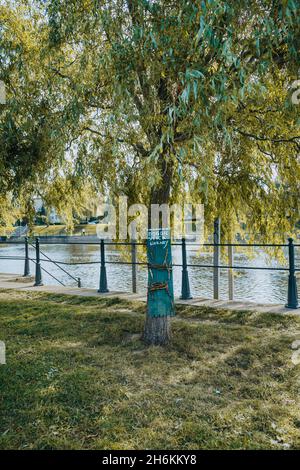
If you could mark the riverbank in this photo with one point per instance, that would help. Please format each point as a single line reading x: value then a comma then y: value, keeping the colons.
x: 78, y: 376
x: 54, y: 230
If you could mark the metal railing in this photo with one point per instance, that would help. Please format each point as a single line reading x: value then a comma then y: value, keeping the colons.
x: 292, y: 295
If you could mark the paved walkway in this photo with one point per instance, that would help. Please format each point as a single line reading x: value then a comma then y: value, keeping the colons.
x: 15, y: 281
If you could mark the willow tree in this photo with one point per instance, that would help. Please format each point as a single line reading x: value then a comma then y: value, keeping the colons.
x: 168, y: 77
x: 35, y: 122
x: 165, y: 90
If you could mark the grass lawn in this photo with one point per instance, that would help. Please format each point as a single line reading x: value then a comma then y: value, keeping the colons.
x: 78, y: 377
x: 39, y: 230
x: 52, y: 230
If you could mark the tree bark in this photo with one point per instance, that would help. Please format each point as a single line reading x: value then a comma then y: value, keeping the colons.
x: 157, y: 330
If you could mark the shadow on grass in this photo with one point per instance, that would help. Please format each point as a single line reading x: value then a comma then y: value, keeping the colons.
x: 78, y: 376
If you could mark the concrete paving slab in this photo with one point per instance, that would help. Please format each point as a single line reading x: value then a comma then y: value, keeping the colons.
x: 16, y: 281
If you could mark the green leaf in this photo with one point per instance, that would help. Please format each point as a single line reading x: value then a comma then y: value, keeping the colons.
x: 153, y: 40
x: 185, y: 95
x: 195, y: 88
x: 195, y: 74
x: 257, y: 44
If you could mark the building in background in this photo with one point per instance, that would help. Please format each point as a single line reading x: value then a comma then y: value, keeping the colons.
x: 44, y: 215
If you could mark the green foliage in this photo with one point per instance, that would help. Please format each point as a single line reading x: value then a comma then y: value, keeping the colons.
x: 158, y: 100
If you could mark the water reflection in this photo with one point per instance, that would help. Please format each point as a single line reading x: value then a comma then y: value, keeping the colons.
x: 253, y: 285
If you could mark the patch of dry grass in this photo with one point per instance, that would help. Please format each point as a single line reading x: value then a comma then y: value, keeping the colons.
x: 39, y: 230
x: 78, y: 376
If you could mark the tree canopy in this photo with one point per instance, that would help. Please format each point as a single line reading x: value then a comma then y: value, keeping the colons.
x: 157, y: 100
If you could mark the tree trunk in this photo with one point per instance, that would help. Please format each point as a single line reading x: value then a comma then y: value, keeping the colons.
x: 157, y: 330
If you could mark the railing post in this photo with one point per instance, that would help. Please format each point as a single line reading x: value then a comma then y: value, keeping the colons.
x: 26, y: 265
x: 133, y: 264
x: 185, y: 284
x: 216, y: 273
x: 78, y: 282
x: 38, y: 271
x: 230, y: 273
x: 103, y: 279
x: 292, y: 285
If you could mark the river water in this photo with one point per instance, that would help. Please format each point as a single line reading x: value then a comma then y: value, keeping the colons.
x: 254, y: 285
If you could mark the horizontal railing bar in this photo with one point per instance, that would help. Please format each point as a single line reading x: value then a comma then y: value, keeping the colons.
x: 208, y: 266
x: 146, y: 264
x: 236, y: 267
x: 238, y: 244
x: 48, y: 242
x: 11, y: 242
x: 124, y: 243
x: 44, y: 242
x: 74, y: 264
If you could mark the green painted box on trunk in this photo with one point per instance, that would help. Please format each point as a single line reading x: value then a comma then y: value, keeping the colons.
x: 160, y: 276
